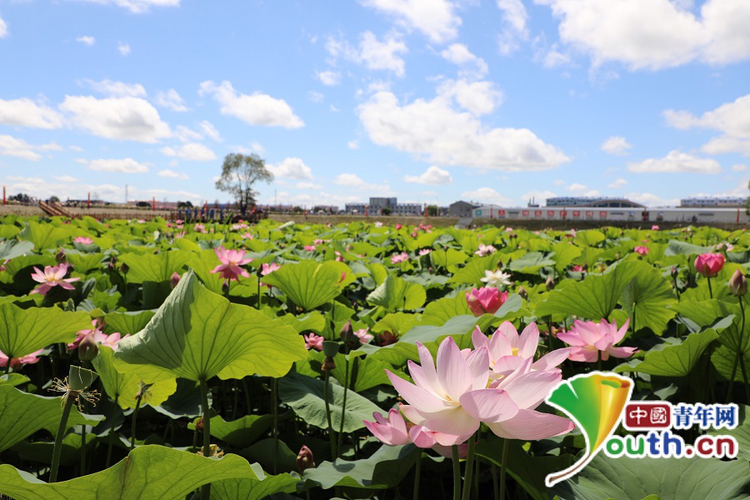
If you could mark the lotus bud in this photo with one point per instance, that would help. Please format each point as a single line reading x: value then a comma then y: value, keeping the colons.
x: 550, y: 284
x: 674, y: 272
x: 305, y: 459
x: 199, y: 424
x: 738, y: 284
x: 523, y: 293
x: 124, y: 268
x: 174, y: 280
x: 387, y: 338
x: 60, y: 256
x: 88, y: 348
x: 346, y: 332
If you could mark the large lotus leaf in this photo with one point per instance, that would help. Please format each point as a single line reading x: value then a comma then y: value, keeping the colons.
x: 666, y: 478
x: 127, y: 322
x: 649, y: 296
x: 124, y: 387
x: 398, y: 294
x: 185, y: 402
x: 723, y: 357
x: 22, y: 414
x: 85, y: 262
x: 438, y: 312
x: 741, y: 433
x: 684, y: 248
x: 384, y: 469
x: 43, y: 235
x: 311, y: 284
x: 13, y: 269
x: 13, y: 379
x: 148, y: 472
x: 305, y: 396
x: 473, y: 272
x: 593, y: 298
x: 673, y: 360
x: 531, y: 263
x: 446, y: 258
x: 13, y: 248
x: 241, y: 432
x: 252, y: 489
x: 23, y: 331
x: 206, y: 261
x: 155, y: 267
x: 589, y: 238
x: 312, y: 321
x: 397, y: 323
x: 458, y: 325
x: 197, y: 334
x: 366, y: 372
x: 565, y: 254
x: 423, y: 240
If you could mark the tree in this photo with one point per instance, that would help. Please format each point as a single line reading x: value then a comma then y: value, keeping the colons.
x: 238, y: 174
x: 54, y: 199
x: 431, y: 211
x: 386, y: 211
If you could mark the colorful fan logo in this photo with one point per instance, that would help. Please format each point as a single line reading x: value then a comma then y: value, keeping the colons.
x: 595, y: 402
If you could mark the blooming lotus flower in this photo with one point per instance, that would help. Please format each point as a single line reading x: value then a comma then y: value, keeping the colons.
x: 709, y: 264
x: 425, y: 251
x: 199, y: 228
x: 641, y: 250
x: 485, y: 300
x: 247, y: 236
x: 654, y: 227
x: 313, y: 341
x: 485, y: 250
x: 83, y: 240
x: 267, y: 269
x: 589, y: 339
x: 179, y: 235
x: 399, y: 257
x: 398, y: 226
x: 98, y: 336
x: 378, y: 224
x: 392, y: 431
x: 29, y: 359
x: 363, y: 336
x: 52, y: 276
x: 496, y: 278
x: 310, y: 248
x: 231, y: 260
x: 319, y: 241
x: 508, y: 350
x: 724, y: 246
x: 339, y: 257
x: 578, y: 269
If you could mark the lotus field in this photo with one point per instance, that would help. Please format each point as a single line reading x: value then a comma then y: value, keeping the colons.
x: 164, y: 360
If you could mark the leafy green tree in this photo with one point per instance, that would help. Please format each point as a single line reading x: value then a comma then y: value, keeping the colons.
x: 238, y: 174
x: 431, y: 211
x: 386, y: 211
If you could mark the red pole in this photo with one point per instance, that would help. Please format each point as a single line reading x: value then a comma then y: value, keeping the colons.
x: 88, y: 201
x: 367, y: 210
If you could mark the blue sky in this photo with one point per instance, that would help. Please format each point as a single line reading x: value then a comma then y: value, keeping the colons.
x: 428, y: 100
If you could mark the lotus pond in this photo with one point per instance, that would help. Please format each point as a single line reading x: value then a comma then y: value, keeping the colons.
x: 154, y: 359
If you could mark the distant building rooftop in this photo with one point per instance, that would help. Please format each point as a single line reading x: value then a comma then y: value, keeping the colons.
x: 713, y: 201
x: 591, y: 201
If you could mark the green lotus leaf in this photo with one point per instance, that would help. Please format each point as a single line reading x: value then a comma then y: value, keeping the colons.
x: 241, y: 432
x: 311, y: 284
x: 398, y: 294
x: 438, y: 312
x: 43, y: 235
x: 741, y: 433
x: 473, y: 272
x: 252, y: 489
x: 85, y: 262
x: 673, y: 360
x: 13, y: 248
x: 155, y: 267
x: 127, y: 322
x: 531, y: 263
x: 446, y: 258
x: 649, y: 297
x: 23, y: 331
x: 197, y: 334
x: 148, y: 472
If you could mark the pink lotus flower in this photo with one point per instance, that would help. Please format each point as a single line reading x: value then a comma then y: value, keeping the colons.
x: 51, y: 277
x: 508, y: 350
x: 98, y: 336
x: 83, y: 240
x: 267, y: 269
x: 398, y: 226
x: 399, y: 257
x: 578, y: 269
x: 310, y: 248
x: 313, y: 341
x: 589, y: 340
x: 485, y: 250
x: 179, y: 221
x: 29, y: 359
x: 391, y: 431
x: 231, y: 260
x: 247, y: 236
x: 319, y: 241
x: 425, y: 251
x: 199, y: 228
x: 709, y: 264
x: 174, y: 280
x: 485, y: 300
x: 179, y: 235
x: 363, y: 336
x: 237, y: 227
x: 387, y: 338
x: 641, y: 250
x: 654, y: 227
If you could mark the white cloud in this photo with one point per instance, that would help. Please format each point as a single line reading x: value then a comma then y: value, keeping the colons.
x: 315, y: 96
x: 192, y: 151
x: 123, y: 48
x: 349, y: 180
x: 487, y: 195
x: 138, y: 6
x: 171, y: 174
x: 371, y: 52
x: 651, y: 200
x: 116, y: 89
x: 329, y: 78
x: 308, y: 186
x: 64, y: 178
x: 64, y: 189
x: 616, y: 146
x: 617, y: 184
x: 130, y: 118
x: 438, y: 132
x: 433, y: 175
x: 186, y: 134
x: 170, y: 100
x: 291, y: 168
x: 125, y: 166
x: 208, y: 129
x: 3, y: 28
x: 27, y: 113
x: 353, y: 144
x: 11, y: 146
x: 435, y: 18
x: 255, y: 109
x: 459, y: 54
x: 576, y: 188
x: 725, y: 145
x: 670, y: 35
x: 356, y: 182
x: 676, y: 161
x: 479, y: 98
x: 86, y: 40
x: 514, y: 20
x: 537, y: 196
x: 740, y: 168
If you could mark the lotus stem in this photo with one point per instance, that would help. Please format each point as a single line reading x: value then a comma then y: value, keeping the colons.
x: 504, y: 467
x: 710, y: 290
x: 206, y: 488
x: 456, y: 473
x: 135, y: 418
x: 343, y: 405
x: 495, y: 486
x: 332, y: 438
x: 469, y: 469
x: 739, y: 358
x: 417, y: 473
x: 275, y: 408
x: 83, y: 450
x: 59, y: 437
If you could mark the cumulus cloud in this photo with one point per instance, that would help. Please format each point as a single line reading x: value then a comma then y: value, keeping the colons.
x: 208, y: 128
x: 64, y: 178
x: 116, y: 89
x: 479, y: 98
x: 472, y: 65
x: 433, y: 175
x: 170, y: 99
x: 617, y: 184
x: 670, y: 35
x: 291, y: 168
x: 192, y: 151
x: 255, y: 109
x: 487, y: 195
x: 447, y: 131
x: 434, y: 18
x: 514, y: 21
x: 329, y: 78
x: 3, y: 28
x: 12, y: 146
x: 356, y: 182
x: 171, y: 174
x: 371, y: 52
x: 652, y: 200
x: 740, y: 168
x: 86, y: 40
x: 676, y: 161
x: 125, y: 166
x: 123, y: 48
x: 616, y: 146
x: 28, y: 113
x: 138, y: 6
x: 128, y: 118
